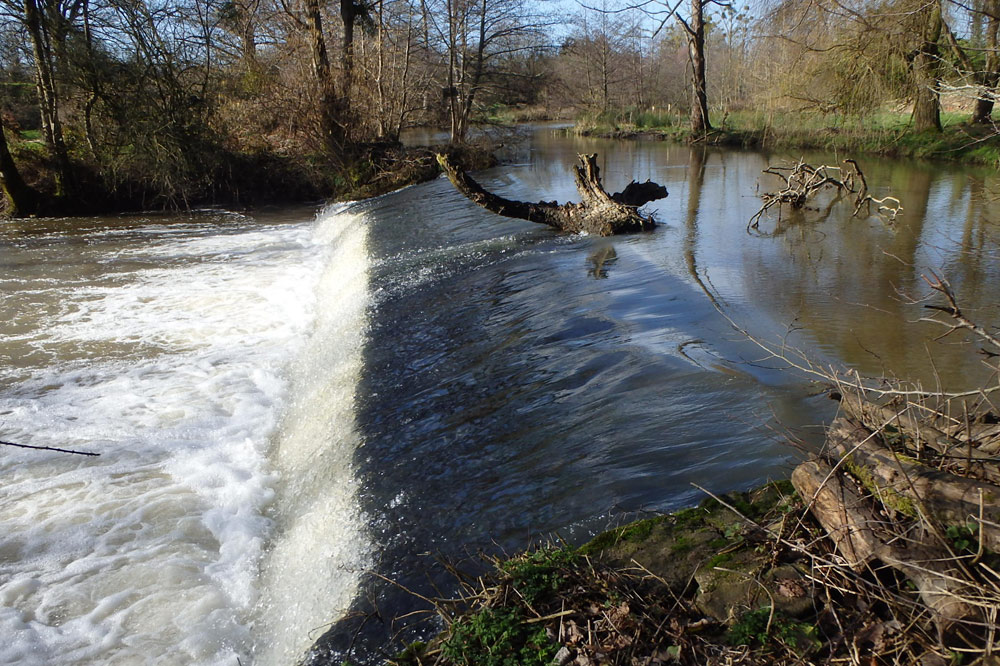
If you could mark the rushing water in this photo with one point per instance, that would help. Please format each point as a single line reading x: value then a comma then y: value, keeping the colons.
x: 284, y: 401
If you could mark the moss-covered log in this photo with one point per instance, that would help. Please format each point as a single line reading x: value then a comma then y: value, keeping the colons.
x: 861, y: 536
x: 912, y: 488
x: 920, y: 431
x: 599, y: 213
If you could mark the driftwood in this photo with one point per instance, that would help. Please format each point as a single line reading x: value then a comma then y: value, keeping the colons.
x: 861, y: 537
x: 845, y: 516
x: 599, y: 213
x: 920, y: 433
x: 909, y: 480
x: 803, y: 180
x: 910, y: 487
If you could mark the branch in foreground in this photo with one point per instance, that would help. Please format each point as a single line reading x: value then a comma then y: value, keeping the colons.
x: 49, y: 448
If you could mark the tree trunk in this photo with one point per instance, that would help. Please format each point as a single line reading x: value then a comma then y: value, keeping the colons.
x: 599, y: 213
x: 331, y: 128
x: 927, y: 103
x: 48, y: 100
x: 915, y: 489
x: 700, y: 123
x: 248, y: 34
x: 22, y: 199
x: 921, y: 433
x: 847, y: 519
x: 990, y: 75
x: 348, y: 16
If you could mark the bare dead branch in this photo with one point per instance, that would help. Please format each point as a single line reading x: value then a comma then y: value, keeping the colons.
x: 50, y: 448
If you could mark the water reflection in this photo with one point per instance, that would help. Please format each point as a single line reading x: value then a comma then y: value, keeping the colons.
x: 844, y: 284
x: 600, y: 260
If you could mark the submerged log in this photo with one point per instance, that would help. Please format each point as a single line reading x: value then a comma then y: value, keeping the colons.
x: 599, y: 213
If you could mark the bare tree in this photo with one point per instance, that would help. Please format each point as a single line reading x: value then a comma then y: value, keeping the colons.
x: 477, y: 34
x: 695, y: 28
x: 926, y: 65
x: 990, y: 74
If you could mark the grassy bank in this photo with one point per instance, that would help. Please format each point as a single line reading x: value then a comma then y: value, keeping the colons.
x: 888, y: 134
x: 748, y: 578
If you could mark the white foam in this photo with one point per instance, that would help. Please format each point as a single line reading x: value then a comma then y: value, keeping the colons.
x: 168, y: 354
x: 313, y: 568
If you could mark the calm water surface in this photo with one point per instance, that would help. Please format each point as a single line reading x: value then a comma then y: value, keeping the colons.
x: 285, y: 401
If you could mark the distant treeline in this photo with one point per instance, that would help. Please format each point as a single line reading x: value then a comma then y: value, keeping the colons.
x: 149, y: 103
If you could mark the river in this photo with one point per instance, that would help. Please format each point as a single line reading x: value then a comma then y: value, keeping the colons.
x: 286, y: 400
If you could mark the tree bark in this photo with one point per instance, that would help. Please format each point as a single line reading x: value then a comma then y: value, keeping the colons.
x: 860, y: 537
x: 990, y: 76
x: 875, y: 416
x: 48, y: 100
x: 927, y: 103
x: 842, y: 513
x: 910, y: 487
x: 599, y: 213
x: 22, y: 199
x: 348, y: 16
x: 331, y: 127
x: 700, y: 123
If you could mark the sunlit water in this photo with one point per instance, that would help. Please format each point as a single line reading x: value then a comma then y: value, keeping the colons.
x: 285, y: 402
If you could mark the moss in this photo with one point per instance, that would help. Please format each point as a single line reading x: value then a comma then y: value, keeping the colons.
x: 719, y: 560
x: 537, y: 574
x: 410, y: 656
x: 633, y: 532
x: 682, y: 544
x: 908, y: 459
x: 889, y: 497
x: 692, y: 517
x: 764, y: 628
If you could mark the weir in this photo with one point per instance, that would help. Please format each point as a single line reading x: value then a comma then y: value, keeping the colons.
x: 313, y: 564
x: 284, y: 401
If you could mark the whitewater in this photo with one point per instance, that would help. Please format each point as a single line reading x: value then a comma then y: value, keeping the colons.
x: 211, y: 361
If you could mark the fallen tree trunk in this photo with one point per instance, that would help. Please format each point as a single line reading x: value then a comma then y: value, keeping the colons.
x: 599, y: 213
x: 847, y: 519
x: 911, y: 488
x: 920, y: 432
x: 860, y: 537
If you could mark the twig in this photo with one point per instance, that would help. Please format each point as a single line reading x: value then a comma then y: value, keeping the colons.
x: 50, y: 448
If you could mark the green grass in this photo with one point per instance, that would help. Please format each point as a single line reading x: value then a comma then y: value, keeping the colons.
x: 537, y: 574
x: 762, y: 628
x: 632, y: 120
x: 887, y: 133
x: 31, y: 135
x: 498, y: 637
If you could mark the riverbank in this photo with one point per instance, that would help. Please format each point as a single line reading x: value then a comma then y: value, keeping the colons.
x: 746, y: 578
x: 237, y: 181
x: 881, y: 549
x: 887, y: 134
